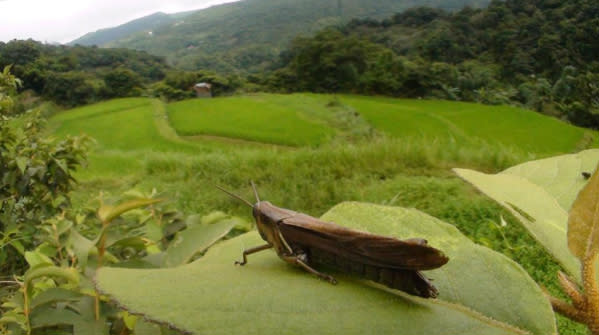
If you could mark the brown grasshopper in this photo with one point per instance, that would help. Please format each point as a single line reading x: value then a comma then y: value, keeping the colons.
x: 305, y: 241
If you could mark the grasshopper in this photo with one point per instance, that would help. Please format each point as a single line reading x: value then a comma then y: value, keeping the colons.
x: 305, y: 241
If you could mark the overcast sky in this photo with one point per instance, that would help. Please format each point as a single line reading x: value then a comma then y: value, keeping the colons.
x: 64, y: 20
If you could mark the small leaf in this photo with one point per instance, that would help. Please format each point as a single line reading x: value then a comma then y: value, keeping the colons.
x: 53, y: 295
x: 69, y: 274
x: 129, y: 319
x: 81, y: 247
x: 36, y: 258
x: 195, y: 239
x: 583, y: 222
x: 22, y: 163
x: 152, y: 231
x: 107, y: 213
x: 104, y: 211
x: 83, y: 322
x: 62, y: 165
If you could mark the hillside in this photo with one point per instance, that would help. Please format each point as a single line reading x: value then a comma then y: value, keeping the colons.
x: 104, y: 36
x: 249, y: 34
x: 537, y: 54
x: 315, y: 120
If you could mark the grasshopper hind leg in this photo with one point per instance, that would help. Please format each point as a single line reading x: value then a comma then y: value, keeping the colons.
x: 302, y: 261
x: 252, y: 251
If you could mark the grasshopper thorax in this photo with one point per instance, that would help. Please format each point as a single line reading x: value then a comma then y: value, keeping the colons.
x: 267, y: 218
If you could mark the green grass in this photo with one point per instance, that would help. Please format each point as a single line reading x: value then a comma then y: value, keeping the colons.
x: 254, y: 118
x: 469, y: 123
x: 371, y: 149
x: 309, y: 119
x: 130, y: 124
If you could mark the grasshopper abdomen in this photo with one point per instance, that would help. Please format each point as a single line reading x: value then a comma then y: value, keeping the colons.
x: 409, y: 281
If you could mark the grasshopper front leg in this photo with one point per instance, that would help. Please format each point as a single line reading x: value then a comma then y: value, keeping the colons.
x: 301, y: 260
x: 252, y: 251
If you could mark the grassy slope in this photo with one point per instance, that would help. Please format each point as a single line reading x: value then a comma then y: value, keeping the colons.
x: 252, y: 118
x: 290, y: 119
x: 468, y: 123
x: 137, y: 149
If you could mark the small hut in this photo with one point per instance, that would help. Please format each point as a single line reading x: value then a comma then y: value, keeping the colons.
x: 203, y: 90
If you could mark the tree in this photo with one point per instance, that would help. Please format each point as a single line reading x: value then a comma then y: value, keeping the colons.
x: 121, y: 82
x: 69, y: 89
x: 8, y: 87
x: 36, y: 176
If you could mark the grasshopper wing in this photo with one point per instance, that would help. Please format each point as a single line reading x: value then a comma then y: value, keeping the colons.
x: 304, y: 231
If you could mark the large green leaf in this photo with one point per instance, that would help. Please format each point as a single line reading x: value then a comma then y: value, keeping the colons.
x: 540, y: 193
x: 561, y: 176
x: 142, y: 327
x: 482, y: 292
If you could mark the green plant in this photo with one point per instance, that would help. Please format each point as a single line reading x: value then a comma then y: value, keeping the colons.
x: 57, y: 290
x: 36, y: 176
x: 8, y: 86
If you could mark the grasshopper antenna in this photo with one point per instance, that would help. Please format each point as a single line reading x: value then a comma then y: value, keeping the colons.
x: 255, y: 191
x: 235, y: 196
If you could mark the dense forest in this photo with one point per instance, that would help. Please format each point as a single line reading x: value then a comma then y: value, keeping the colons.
x: 78, y: 75
x: 540, y: 54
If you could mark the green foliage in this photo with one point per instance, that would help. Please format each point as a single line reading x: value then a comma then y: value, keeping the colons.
x: 70, y: 88
x: 508, y: 53
x: 218, y: 290
x: 62, y: 266
x: 122, y: 82
x: 247, y: 36
x: 35, y: 181
x: 8, y: 86
x: 78, y: 75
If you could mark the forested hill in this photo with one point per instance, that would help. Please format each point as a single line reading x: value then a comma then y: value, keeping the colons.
x: 247, y: 35
x: 541, y: 54
x: 146, y: 23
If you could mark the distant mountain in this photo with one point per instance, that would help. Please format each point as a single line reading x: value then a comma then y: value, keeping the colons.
x: 144, y: 24
x: 246, y: 36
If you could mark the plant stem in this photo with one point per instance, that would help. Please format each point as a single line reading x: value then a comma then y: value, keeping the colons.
x: 573, y: 291
x: 567, y: 310
x: 101, y: 249
x: 589, y: 277
x: 26, y: 307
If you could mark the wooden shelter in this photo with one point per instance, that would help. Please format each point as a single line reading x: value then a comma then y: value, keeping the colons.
x: 203, y: 90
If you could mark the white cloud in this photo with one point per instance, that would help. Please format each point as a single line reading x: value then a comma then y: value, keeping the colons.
x: 65, y: 20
